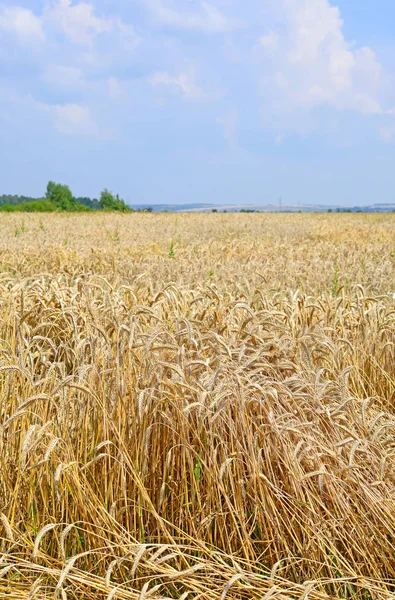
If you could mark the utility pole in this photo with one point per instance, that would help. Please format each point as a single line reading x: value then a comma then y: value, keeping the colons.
x: 280, y: 204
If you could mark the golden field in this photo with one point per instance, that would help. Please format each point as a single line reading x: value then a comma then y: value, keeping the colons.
x: 197, y: 406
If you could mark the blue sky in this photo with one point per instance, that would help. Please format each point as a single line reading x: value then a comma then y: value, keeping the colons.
x: 218, y: 101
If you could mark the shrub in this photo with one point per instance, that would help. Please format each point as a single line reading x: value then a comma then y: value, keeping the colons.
x: 35, y: 206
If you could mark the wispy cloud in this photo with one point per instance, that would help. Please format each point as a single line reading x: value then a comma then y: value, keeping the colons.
x: 74, y: 119
x: 207, y: 17
x: 184, y: 83
x: 80, y: 23
x: 270, y: 41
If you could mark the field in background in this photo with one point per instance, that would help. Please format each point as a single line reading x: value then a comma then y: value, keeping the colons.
x: 197, y: 406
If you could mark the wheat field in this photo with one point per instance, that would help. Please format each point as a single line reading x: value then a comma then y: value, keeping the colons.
x: 197, y: 406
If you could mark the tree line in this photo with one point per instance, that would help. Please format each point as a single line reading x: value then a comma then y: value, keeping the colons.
x: 59, y: 198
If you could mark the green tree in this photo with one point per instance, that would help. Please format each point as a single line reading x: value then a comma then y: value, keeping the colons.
x: 110, y: 202
x: 50, y: 188
x: 61, y: 196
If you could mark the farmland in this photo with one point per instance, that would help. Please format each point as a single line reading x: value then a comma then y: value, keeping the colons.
x: 197, y: 406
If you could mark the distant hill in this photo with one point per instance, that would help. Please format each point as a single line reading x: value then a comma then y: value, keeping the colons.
x: 200, y: 207
x: 172, y: 207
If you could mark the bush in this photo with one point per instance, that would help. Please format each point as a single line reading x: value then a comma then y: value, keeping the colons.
x: 77, y: 207
x: 35, y: 206
x: 42, y: 206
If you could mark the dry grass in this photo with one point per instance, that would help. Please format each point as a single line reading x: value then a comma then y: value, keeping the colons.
x: 197, y: 407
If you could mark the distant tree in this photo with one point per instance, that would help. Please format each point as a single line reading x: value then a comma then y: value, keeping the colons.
x: 61, y: 196
x: 110, y: 202
x: 12, y: 199
x: 215, y: 210
x: 330, y: 210
x: 88, y: 202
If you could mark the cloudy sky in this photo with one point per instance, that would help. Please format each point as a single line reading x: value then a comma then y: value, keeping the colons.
x: 225, y: 101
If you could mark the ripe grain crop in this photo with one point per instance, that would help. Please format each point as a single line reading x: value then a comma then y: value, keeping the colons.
x: 197, y: 407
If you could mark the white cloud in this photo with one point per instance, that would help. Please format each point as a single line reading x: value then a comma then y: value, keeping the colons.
x: 21, y: 22
x: 80, y: 23
x: 74, y: 119
x: 312, y: 64
x: 206, y: 18
x: 183, y: 83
